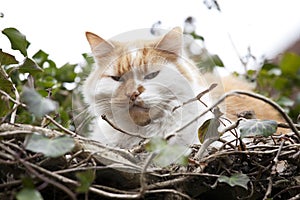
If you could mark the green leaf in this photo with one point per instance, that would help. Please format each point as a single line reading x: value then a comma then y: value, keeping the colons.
x: 235, y: 180
x: 217, y: 60
x: 156, y: 144
x: 66, y: 73
x: 208, y: 130
x: 167, y: 153
x: 290, y: 64
x: 285, y: 101
x: 255, y: 127
x: 5, y: 84
x: 196, y: 36
x: 36, y: 104
x: 7, y: 59
x: 17, y: 39
x: 46, y: 82
x: 89, y: 59
x: 172, y: 153
x: 51, y: 147
x: 40, y: 57
x: 85, y: 178
x: 29, y: 194
x: 30, y: 66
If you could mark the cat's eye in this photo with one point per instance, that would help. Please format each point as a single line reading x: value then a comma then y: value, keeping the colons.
x: 117, y: 78
x: 151, y: 75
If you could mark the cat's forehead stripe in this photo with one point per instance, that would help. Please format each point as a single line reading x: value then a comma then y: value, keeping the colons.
x: 130, y: 58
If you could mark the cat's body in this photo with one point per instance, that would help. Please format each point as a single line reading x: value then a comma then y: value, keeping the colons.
x: 136, y: 85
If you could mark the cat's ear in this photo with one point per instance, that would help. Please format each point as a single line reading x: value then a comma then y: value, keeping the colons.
x: 172, y: 41
x: 99, y: 46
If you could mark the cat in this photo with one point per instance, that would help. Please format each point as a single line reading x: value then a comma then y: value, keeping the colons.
x: 137, y: 85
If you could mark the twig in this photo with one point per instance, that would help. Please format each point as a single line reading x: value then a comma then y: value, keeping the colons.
x: 273, y: 172
x: 168, y: 191
x: 60, y: 126
x: 231, y: 126
x: 144, y: 170
x: 13, y: 111
x: 297, y: 197
x: 13, y: 133
x: 11, y: 183
x: 197, y: 98
x: 32, y: 171
x: 12, y: 99
x: 286, y: 190
x: 103, y: 116
x: 284, y: 125
x: 92, y: 189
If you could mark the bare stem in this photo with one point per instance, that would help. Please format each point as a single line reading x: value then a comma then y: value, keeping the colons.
x: 118, y: 129
x: 60, y: 126
x: 197, y: 98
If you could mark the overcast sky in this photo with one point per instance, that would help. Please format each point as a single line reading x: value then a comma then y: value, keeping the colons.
x: 58, y: 26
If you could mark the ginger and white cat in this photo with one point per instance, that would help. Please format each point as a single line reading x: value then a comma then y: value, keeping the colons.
x: 137, y: 84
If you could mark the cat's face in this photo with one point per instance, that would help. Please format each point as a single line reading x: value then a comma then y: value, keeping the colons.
x: 137, y: 84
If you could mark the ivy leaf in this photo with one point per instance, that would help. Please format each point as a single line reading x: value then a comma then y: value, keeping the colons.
x: 66, y: 73
x: 156, y: 144
x: 209, y: 129
x: 255, y: 127
x: 17, y: 39
x: 167, y: 153
x: 40, y: 57
x: 174, y: 153
x: 36, y: 104
x: 30, y: 66
x: 7, y: 59
x: 235, y: 180
x: 29, y: 194
x: 207, y: 134
x: 5, y: 84
x: 50, y: 147
x: 290, y: 64
x: 85, y: 178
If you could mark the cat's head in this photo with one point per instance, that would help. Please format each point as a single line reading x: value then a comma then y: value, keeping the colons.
x: 137, y: 84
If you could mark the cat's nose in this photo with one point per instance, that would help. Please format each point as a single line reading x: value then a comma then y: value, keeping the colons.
x: 133, y: 95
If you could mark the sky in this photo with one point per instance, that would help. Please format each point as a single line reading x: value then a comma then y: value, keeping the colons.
x: 58, y: 26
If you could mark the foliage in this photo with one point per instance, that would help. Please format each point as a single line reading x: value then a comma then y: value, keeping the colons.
x: 44, y: 79
x: 166, y: 154
x: 281, y: 81
x: 235, y: 180
x: 254, y: 127
x: 53, y: 147
x: 86, y: 178
x: 29, y: 194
